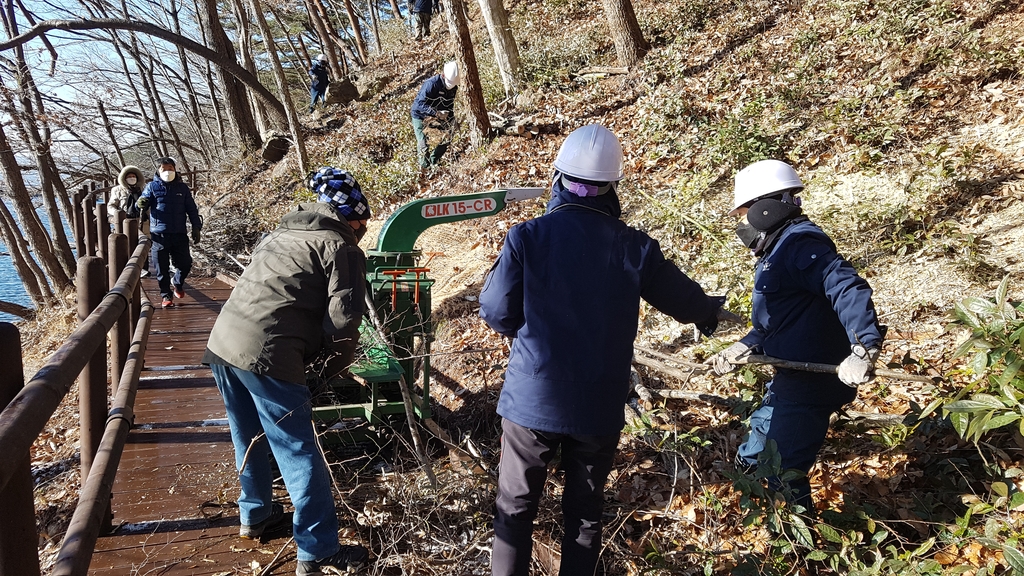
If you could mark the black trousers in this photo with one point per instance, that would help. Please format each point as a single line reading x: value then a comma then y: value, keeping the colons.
x: 525, y: 455
x: 170, y: 248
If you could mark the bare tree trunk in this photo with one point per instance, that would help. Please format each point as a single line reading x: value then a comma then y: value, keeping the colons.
x: 110, y: 132
x: 148, y: 85
x: 299, y: 66
x: 324, y: 29
x: 190, y: 89
x: 182, y: 158
x: 371, y: 6
x: 235, y: 99
x: 138, y: 97
x: 26, y: 215
x: 395, y: 10
x: 245, y: 51
x: 282, y: 85
x: 506, y: 52
x: 307, y: 61
x: 364, y: 57
x: 630, y: 45
x: 477, y: 120
x: 31, y: 275
x: 214, y: 100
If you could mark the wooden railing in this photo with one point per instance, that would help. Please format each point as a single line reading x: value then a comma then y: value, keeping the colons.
x: 106, y: 260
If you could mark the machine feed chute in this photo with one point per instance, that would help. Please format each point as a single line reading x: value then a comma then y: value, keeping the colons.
x: 394, y: 351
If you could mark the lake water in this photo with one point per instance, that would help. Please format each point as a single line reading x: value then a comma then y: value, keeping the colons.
x: 11, y: 288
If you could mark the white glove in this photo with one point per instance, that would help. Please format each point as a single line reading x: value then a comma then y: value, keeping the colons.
x: 859, y: 366
x: 726, y: 360
x: 442, y: 115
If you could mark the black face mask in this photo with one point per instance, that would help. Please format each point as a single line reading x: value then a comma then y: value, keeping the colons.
x: 749, y: 235
x: 360, y: 232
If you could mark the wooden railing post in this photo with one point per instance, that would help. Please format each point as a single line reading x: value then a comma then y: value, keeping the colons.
x: 102, y: 231
x: 89, y: 213
x: 120, y: 336
x: 119, y: 222
x: 78, y: 221
x: 92, y: 382
x: 18, y: 539
x: 132, y: 231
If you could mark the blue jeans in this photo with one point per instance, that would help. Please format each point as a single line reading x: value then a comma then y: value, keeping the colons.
x: 522, y: 471
x: 798, y: 430
x: 317, y: 94
x: 260, y: 404
x: 170, y: 248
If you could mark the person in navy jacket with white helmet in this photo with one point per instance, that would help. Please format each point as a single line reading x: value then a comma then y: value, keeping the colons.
x: 567, y: 287
x: 809, y: 305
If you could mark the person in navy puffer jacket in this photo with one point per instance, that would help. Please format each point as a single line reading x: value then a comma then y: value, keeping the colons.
x: 171, y: 203
x: 567, y: 287
x: 809, y: 305
x: 422, y: 10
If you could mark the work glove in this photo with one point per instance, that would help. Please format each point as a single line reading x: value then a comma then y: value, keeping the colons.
x: 143, y: 203
x: 727, y: 360
x: 859, y: 366
x: 195, y: 237
x: 442, y: 115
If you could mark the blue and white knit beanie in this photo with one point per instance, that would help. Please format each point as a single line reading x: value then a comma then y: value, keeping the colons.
x: 339, y: 188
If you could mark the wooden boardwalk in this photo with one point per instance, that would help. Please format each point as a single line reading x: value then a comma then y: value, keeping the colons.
x: 176, y: 480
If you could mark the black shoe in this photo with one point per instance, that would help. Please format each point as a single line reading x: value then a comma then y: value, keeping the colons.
x: 347, y: 560
x: 256, y: 530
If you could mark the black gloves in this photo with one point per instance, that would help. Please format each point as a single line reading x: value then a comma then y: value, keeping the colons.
x: 195, y: 236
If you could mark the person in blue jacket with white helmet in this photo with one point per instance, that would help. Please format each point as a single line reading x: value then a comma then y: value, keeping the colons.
x: 435, y: 101
x: 809, y: 305
x: 567, y: 287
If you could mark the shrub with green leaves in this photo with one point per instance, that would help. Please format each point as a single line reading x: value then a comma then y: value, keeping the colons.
x: 994, y: 399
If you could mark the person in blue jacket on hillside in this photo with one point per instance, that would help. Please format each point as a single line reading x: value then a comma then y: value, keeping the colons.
x: 170, y: 202
x: 435, y: 100
x: 319, y: 81
x: 567, y: 287
x: 809, y: 305
x: 421, y: 13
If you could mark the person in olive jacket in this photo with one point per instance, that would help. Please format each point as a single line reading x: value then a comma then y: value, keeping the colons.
x: 301, y: 296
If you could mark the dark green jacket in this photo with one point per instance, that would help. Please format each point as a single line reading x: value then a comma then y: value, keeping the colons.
x: 303, y: 292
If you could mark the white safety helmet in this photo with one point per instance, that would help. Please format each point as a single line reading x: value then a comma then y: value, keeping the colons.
x: 762, y: 179
x: 592, y: 153
x: 451, y: 74
x: 322, y: 58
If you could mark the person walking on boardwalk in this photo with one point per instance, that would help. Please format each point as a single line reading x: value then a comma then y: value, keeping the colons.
x: 435, y: 100
x: 124, y: 198
x: 809, y: 305
x: 170, y: 203
x: 567, y: 287
x: 301, y: 294
x: 320, y: 80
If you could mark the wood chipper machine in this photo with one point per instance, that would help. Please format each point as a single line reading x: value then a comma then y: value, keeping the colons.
x: 394, y: 342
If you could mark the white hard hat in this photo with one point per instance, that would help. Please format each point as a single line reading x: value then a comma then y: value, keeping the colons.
x: 763, y: 179
x: 322, y: 57
x: 451, y: 73
x: 591, y: 152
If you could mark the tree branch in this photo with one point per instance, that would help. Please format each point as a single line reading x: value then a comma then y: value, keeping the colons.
x: 233, y: 68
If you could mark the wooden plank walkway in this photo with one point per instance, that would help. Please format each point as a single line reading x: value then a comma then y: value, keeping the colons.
x: 178, y: 463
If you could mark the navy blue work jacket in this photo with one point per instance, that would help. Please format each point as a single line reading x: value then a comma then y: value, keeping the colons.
x: 433, y: 97
x: 170, y: 204
x: 567, y: 286
x: 424, y: 6
x: 318, y: 73
x: 810, y: 305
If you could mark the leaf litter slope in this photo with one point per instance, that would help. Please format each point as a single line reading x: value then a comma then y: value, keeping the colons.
x: 905, y: 120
